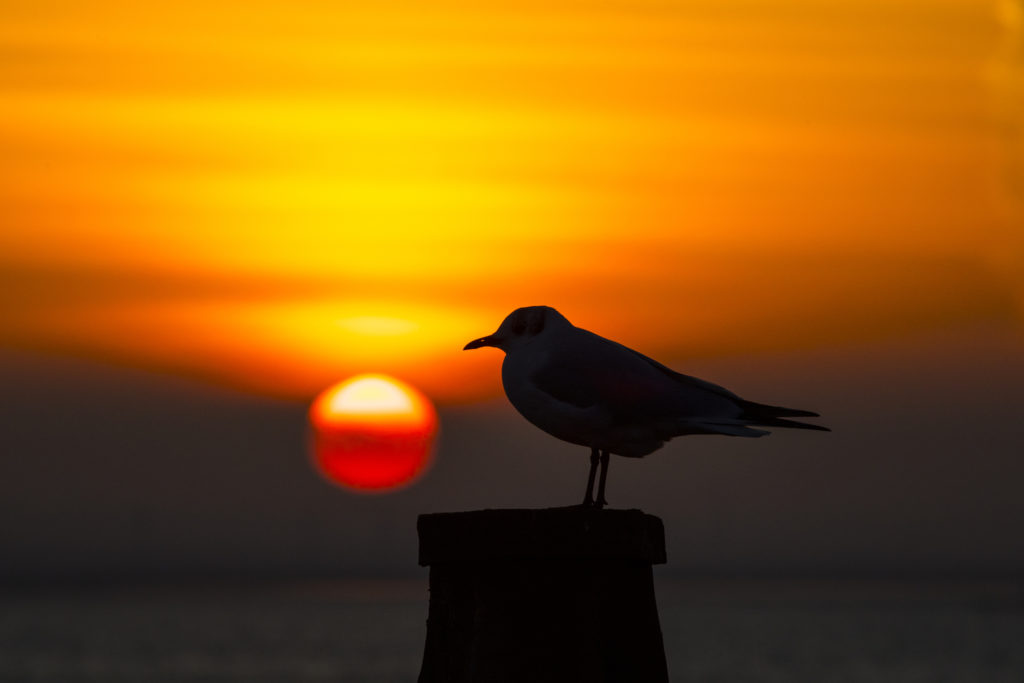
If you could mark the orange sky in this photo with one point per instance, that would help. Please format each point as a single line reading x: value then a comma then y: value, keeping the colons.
x: 278, y: 195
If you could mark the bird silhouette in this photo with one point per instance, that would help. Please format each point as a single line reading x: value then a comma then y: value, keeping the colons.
x: 591, y: 391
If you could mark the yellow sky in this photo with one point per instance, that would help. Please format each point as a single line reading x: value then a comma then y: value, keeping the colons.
x: 278, y: 195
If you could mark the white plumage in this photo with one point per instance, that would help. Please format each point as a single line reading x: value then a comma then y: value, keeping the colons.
x: 591, y: 391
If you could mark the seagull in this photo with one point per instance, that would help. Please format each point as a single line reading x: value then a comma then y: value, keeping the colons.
x: 593, y: 392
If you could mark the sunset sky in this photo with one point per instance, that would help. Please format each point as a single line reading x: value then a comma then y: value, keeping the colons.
x: 274, y: 196
x: 210, y: 212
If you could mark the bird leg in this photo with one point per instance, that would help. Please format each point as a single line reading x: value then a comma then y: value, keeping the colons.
x: 605, y: 457
x: 588, y: 500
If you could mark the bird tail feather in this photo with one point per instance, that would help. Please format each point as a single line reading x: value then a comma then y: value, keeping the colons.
x: 726, y: 427
x: 764, y: 415
x: 791, y: 424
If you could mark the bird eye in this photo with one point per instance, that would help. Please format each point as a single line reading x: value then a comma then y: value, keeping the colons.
x: 537, y: 324
x: 518, y: 326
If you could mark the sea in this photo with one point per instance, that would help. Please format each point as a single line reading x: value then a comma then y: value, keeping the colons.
x: 372, y: 631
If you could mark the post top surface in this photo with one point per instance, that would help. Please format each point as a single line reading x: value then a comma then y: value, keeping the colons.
x: 566, y: 533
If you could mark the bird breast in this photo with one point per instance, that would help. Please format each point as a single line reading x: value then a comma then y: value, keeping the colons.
x: 575, y: 424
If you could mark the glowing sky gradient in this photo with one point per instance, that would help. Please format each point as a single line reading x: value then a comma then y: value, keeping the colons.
x: 278, y: 195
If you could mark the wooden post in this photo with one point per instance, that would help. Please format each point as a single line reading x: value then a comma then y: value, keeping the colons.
x: 562, y: 594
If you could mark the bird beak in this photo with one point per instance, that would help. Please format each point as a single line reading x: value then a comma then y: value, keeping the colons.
x: 482, y: 341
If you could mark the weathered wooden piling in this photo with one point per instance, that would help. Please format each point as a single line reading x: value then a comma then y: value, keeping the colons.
x: 561, y: 594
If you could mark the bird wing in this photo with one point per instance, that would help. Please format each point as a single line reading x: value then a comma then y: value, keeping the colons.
x: 585, y: 370
x: 693, y: 383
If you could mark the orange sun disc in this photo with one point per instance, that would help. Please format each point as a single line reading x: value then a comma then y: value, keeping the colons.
x: 372, y: 433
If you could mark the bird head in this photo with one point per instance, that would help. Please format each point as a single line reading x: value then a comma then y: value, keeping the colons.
x: 520, y: 327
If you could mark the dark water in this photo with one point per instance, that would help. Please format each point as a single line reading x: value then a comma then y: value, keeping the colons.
x: 372, y: 631
x: 842, y: 632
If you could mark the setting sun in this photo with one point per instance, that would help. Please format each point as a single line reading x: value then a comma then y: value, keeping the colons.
x: 372, y: 432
